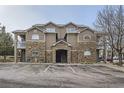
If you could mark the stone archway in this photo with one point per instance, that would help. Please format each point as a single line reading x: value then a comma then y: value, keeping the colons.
x: 64, y: 49
x: 55, y: 53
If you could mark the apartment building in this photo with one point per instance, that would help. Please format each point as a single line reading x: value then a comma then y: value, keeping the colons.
x: 56, y: 43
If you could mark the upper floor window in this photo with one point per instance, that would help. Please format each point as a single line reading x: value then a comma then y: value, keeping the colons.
x: 50, y: 29
x: 71, y: 29
x: 35, y: 37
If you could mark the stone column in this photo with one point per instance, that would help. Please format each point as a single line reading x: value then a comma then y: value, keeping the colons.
x: 69, y: 56
x: 54, y: 55
x: 15, y: 48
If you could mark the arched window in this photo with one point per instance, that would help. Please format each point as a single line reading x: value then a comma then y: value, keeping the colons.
x: 87, y: 37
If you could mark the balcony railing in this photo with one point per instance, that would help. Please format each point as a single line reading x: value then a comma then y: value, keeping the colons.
x: 21, y: 44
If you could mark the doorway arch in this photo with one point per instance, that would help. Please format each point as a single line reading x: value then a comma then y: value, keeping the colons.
x: 61, y: 56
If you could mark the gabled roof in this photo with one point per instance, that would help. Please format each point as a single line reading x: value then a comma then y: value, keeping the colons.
x: 50, y: 23
x: 33, y: 28
x: 16, y: 31
x: 70, y: 23
x: 60, y: 42
x: 37, y: 26
x: 60, y: 25
x: 87, y: 28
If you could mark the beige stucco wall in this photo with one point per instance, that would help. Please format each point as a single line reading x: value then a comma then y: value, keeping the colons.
x: 84, y: 33
x: 50, y: 39
x: 72, y: 39
x: 61, y: 31
x: 34, y: 31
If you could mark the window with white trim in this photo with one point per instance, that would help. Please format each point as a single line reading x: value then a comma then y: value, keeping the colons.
x: 87, y: 52
x: 50, y: 29
x: 86, y: 37
x: 35, y: 37
x: 35, y: 53
x: 71, y: 29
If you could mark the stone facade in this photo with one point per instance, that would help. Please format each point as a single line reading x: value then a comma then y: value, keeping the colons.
x: 74, y: 58
x: 82, y: 47
x: 79, y: 45
x: 49, y: 56
x: 35, y: 47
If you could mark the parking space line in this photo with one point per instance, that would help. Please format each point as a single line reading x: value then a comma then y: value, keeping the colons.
x: 72, y: 69
x: 22, y: 68
x: 98, y: 70
x: 46, y: 68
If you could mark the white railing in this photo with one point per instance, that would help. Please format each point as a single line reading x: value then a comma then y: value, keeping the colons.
x: 21, y: 44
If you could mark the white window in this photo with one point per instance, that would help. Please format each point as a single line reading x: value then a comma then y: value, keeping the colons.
x: 35, y: 37
x: 50, y: 29
x: 71, y: 29
x: 35, y: 53
x: 87, y: 53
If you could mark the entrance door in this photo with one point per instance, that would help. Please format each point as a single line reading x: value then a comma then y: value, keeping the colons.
x: 61, y: 56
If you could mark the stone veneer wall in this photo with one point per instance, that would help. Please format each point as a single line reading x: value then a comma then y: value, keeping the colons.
x: 82, y: 46
x: 77, y: 55
x: 35, y: 46
x: 49, y: 56
x: 74, y: 56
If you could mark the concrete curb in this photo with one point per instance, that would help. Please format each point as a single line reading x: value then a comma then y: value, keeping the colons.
x: 68, y: 64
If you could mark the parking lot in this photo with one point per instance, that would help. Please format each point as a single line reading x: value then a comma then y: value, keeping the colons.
x: 59, y: 76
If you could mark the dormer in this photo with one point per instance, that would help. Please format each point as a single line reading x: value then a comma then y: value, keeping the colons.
x: 86, y: 35
x: 35, y: 34
x: 50, y: 27
x: 71, y: 28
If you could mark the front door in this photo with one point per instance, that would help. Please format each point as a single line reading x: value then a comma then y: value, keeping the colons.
x: 61, y: 56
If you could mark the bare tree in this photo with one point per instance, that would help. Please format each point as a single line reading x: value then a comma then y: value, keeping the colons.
x: 111, y: 21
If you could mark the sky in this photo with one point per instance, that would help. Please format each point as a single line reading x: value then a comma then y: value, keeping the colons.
x: 20, y: 17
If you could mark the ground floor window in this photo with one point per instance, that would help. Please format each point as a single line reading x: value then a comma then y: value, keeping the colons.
x: 87, y: 52
x: 35, y: 53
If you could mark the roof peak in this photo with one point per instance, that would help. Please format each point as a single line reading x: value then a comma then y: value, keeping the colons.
x: 60, y: 24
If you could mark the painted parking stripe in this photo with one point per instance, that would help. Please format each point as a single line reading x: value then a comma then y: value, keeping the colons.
x: 46, y: 68
x: 98, y: 70
x: 72, y: 69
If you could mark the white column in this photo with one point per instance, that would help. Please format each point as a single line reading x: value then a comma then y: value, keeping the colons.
x: 106, y: 54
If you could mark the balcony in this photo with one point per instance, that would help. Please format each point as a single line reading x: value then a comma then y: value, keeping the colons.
x: 21, y: 44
